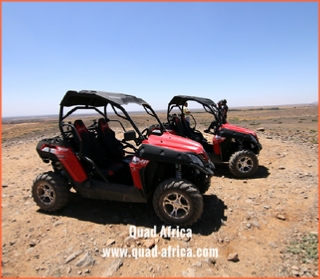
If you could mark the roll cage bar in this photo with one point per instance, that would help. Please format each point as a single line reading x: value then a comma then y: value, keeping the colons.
x: 92, y: 100
x: 207, y: 104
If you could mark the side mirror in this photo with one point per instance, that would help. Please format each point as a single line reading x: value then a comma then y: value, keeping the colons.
x: 129, y: 135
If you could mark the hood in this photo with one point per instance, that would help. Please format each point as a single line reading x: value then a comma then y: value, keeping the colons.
x: 238, y: 129
x: 174, y: 142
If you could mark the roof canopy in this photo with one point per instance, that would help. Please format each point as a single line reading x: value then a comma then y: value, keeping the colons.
x: 98, y: 98
x: 182, y: 99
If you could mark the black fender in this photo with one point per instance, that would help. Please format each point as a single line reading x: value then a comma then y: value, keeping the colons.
x: 166, y: 155
x: 226, y: 133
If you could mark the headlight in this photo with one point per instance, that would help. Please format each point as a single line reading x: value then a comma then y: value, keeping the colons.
x: 196, y: 160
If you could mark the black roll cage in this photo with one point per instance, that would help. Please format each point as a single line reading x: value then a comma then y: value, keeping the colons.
x: 208, y: 105
x: 115, y: 107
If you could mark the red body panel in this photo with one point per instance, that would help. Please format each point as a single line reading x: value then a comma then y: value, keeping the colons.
x: 216, y: 140
x: 71, y: 163
x: 136, y: 165
x: 238, y: 129
x: 69, y: 160
x: 174, y: 142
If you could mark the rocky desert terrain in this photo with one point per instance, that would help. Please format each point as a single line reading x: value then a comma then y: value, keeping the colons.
x: 265, y: 226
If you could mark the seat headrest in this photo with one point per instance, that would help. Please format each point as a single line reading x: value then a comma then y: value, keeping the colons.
x: 80, y: 127
x: 103, y: 124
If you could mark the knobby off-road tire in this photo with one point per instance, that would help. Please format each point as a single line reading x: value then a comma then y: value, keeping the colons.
x: 50, y: 191
x: 243, y: 163
x: 178, y: 202
x: 204, y: 187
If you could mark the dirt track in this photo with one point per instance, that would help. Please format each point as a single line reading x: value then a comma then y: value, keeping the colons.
x: 258, y: 219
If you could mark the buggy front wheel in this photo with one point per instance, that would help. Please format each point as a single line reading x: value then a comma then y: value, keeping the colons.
x: 243, y: 163
x: 178, y: 202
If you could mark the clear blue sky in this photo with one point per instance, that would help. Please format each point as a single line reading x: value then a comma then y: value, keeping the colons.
x: 251, y: 54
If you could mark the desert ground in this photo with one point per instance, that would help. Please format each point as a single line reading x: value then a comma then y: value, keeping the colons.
x: 264, y: 226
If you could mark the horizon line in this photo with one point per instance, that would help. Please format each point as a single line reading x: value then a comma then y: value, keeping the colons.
x: 164, y: 110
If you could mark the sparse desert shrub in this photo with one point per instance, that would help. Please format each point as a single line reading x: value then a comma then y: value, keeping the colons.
x: 234, y: 119
x: 306, y: 247
x: 314, y: 140
x: 256, y: 109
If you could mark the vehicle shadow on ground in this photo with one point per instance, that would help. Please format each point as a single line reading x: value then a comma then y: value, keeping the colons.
x: 137, y: 214
x: 213, y: 216
x: 223, y: 170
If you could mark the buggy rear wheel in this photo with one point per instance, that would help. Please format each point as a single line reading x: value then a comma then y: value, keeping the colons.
x: 178, y: 202
x: 50, y: 191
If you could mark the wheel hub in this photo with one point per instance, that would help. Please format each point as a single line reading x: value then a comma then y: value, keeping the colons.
x: 46, y: 194
x: 176, y: 205
x: 245, y: 164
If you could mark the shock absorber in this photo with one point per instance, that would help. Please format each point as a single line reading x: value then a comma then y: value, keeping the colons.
x: 178, y: 171
x: 240, y: 145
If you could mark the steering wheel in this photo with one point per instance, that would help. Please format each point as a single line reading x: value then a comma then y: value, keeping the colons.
x: 145, y: 132
x: 170, y: 118
x: 126, y: 145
